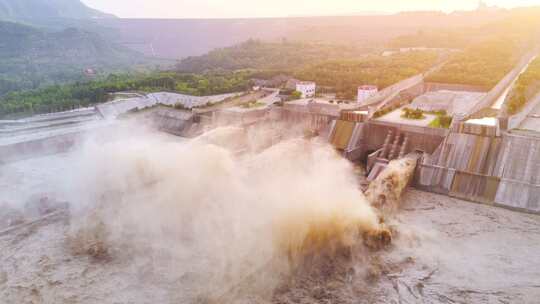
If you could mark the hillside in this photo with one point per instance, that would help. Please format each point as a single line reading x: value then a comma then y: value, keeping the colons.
x: 254, y: 54
x: 339, y: 68
x: 65, y: 97
x: 28, y: 10
x: 520, y: 23
x: 344, y: 76
x: 483, y: 64
x: 31, y: 58
x: 527, y: 86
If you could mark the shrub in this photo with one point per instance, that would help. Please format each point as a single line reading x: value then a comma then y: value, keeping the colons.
x: 442, y: 121
x: 413, y: 113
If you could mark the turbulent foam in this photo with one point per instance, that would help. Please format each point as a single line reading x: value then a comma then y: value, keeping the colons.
x: 144, y: 193
x: 385, y: 191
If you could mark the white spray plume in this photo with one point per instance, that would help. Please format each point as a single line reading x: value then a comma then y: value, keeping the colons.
x: 143, y: 193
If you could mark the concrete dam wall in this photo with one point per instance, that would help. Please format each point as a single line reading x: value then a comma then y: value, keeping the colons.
x: 519, y: 173
x: 463, y: 166
x: 113, y: 109
x: 481, y: 167
x: 503, y: 171
x: 58, y: 132
x: 177, y: 122
x: 359, y: 139
x: 491, y: 164
x: 45, y: 134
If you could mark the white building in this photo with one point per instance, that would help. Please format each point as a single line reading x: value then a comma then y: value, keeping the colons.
x: 306, y: 88
x: 365, y: 92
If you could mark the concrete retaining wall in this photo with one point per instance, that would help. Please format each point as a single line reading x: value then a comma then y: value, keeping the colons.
x: 515, y: 121
x: 502, y: 171
x: 374, y: 134
x: 112, y: 109
x: 393, y: 90
x: 499, y: 89
x: 413, y: 85
x: 171, y: 121
x: 519, y: 170
x: 240, y: 117
x: 435, y: 86
x: 399, y: 98
x: 39, y: 147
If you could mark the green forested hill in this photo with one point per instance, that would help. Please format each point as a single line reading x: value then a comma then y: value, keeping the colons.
x: 32, y: 58
x: 489, y: 51
x: 65, y: 97
x: 344, y: 76
x: 483, y: 64
x: 254, y: 54
x: 527, y: 86
x: 340, y: 68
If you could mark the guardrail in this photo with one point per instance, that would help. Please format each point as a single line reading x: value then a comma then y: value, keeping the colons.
x: 389, y: 93
x: 413, y: 129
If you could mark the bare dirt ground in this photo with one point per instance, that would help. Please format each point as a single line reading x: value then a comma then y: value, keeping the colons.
x: 445, y: 251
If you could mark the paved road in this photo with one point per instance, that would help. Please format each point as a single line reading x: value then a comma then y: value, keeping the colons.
x: 232, y: 103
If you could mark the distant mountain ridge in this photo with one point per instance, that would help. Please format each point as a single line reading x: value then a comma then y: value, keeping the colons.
x: 31, y: 58
x: 180, y: 38
x: 28, y: 10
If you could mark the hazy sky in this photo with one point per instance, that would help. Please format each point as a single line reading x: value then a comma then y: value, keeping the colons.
x: 278, y: 8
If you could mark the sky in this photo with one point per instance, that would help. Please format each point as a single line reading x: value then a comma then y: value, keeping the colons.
x: 280, y: 8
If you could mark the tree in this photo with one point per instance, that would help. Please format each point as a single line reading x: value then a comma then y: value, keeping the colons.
x: 64, y: 97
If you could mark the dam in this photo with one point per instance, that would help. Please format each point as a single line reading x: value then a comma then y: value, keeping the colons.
x: 483, y: 156
x: 58, y: 132
x: 131, y: 177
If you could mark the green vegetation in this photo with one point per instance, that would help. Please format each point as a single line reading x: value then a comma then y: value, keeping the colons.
x: 442, y: 121
x: 344, y: 76
x: 295, y: 95
x: 413, y: 113
x: 31, y: 58
x: 437, y: 112
x: 253, y: 104
x: 36, y: 64
x: 65, y: 97
x: 340, y: 69
x: 526, y: 87
x: 254, y: 54
x: 385, y: 111
x: 484, y: 64
x: 433, y: 39
x: 519, y: 24
x: 491, y: 49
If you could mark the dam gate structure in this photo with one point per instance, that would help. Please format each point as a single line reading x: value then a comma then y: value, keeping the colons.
x: 485, y: 156
x: 470, y: 163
